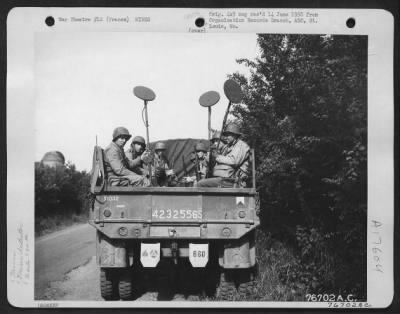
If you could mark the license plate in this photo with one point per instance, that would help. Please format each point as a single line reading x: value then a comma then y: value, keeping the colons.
x: 176, y: 214
x: 198, y: 254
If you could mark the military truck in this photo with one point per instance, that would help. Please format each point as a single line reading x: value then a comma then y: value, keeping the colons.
x: 210, y: 229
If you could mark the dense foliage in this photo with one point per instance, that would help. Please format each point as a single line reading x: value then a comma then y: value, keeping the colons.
x: 60, y: 192
x: 305, y: 113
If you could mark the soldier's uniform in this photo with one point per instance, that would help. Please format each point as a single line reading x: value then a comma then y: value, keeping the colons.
x: 233, y: 163
x: 136, y: 158
x: 118, y: 167
x: 202, y: 165
x: 202, y: 160
x: 164, y: 175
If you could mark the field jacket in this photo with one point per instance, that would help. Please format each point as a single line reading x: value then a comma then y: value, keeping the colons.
x: 116, y: 163
x: 160, y: 162
x: 135, y: 160
x: 234, y: 160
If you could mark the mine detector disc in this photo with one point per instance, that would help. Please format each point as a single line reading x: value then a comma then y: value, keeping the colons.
x: 144, y: 93
x: 209, y: 99
x: 233, y: 91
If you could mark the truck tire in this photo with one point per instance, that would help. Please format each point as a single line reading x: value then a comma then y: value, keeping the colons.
x: 227, y: 287
x: 108, y: 284
x: 211, y: 282
x: 125, y: 285
x: 246, y: 282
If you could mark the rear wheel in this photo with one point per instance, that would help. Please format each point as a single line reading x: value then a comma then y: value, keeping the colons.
x: 210, y: 281
x: 125, y: 284
x: 246, y: 282
x: 227, y: 287
x: 108, y: 284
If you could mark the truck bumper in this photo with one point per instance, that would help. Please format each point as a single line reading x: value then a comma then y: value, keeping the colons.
x: 111, y: 253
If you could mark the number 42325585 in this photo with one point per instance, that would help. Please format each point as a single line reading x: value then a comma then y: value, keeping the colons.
x: 177, y: 214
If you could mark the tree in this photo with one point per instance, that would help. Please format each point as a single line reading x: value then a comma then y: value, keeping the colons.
x: 305, y: 112
x: 60, y: 190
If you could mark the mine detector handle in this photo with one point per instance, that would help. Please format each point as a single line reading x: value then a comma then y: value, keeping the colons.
x: 145, y: 94
x: 196, y: 165
x: 234, y: 93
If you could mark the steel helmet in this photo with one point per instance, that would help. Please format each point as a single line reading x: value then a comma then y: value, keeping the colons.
x: 121, y: 132
x: 216, y: 135
x: 200, y: 147
x: 233, y: 128
x: 139, y: 140
x: 160, y: 146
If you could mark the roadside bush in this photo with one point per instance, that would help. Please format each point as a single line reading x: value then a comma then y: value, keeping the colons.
x: 60, y: 196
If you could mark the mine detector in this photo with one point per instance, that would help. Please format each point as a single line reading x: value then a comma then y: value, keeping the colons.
x: 139, y: 227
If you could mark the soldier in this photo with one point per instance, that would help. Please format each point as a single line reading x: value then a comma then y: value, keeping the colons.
x: 202, y: 163
x: 137, y: 154
x: 214, y: 142
x: 201, y: 153
x: 232, y: 164
x: 162, y: 172
x: 118, y: 168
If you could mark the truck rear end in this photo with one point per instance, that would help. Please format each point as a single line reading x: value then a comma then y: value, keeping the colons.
x: 207, y: 228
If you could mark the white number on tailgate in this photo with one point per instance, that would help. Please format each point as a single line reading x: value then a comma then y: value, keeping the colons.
x: 177, y: 214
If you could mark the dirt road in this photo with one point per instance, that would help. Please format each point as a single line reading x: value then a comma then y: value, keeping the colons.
x: 59, y: 253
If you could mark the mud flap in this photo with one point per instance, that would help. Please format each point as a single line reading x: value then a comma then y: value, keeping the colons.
x: 110, y: 253
x: 239, y: 253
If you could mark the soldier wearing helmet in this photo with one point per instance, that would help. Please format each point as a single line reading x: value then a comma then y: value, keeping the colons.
x: 137, y: 154
x: 118, y: 167
x: 201, y: 163
x: 162, y: 172
x: 232, y: 164
x: 214, y: 142
x: 202, y: 159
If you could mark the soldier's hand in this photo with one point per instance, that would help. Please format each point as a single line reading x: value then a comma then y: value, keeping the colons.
x: 170, y: 172
x: 146, y: 157
x: 189, y: 179
x: 145, y: 173
x: 214, y: 154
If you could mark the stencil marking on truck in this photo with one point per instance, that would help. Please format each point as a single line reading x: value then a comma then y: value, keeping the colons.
x: 177, y: 214
x: 111, y: 198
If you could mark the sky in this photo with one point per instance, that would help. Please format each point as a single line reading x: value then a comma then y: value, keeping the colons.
x: 84, y: 86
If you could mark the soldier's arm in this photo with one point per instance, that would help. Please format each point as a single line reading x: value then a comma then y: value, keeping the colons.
x: 134, y: 163
x: 233, y: 158
x: 117, y: 165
